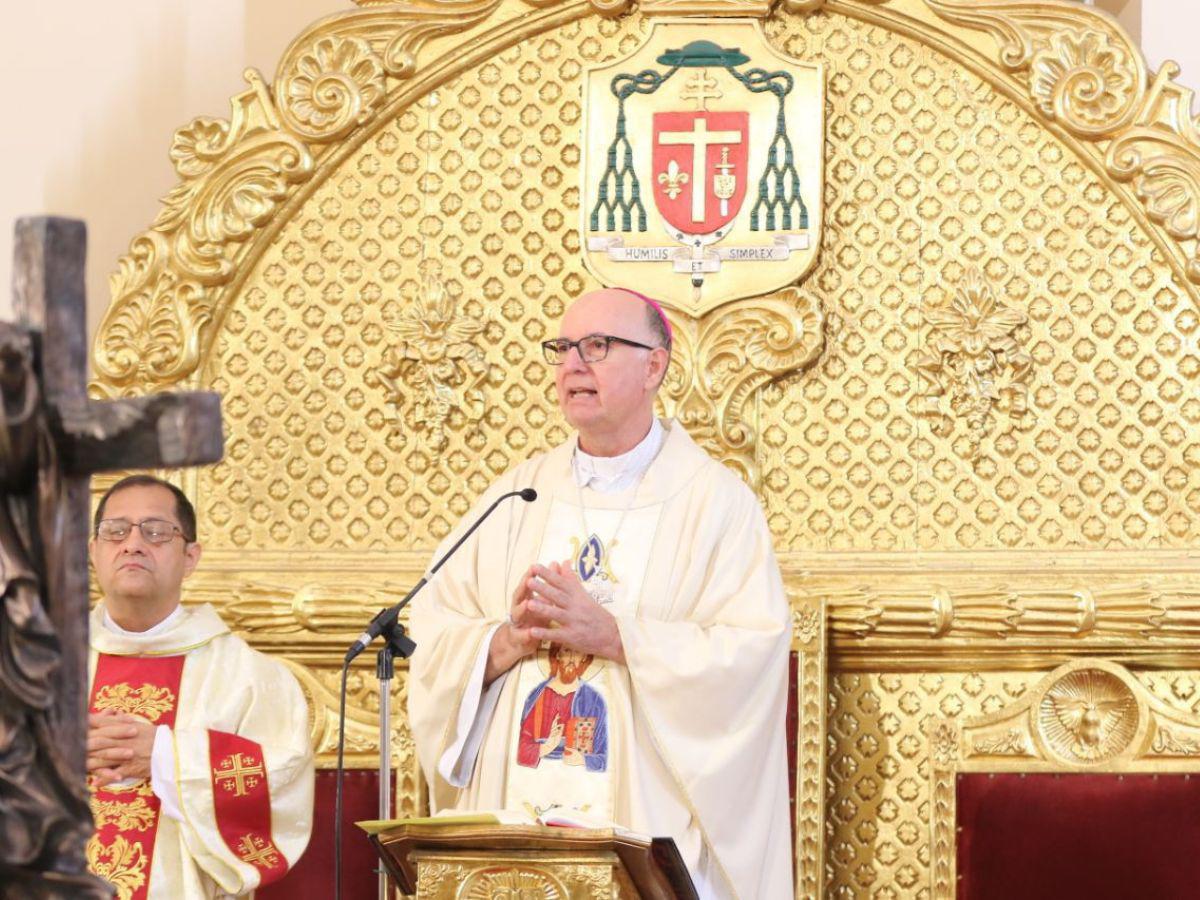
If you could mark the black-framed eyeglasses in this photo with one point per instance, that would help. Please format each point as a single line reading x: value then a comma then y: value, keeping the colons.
x: 155, y: 531
x: 593, y: 348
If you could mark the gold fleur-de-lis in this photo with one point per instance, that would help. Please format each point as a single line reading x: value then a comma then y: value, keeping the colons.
x: 672, y: 180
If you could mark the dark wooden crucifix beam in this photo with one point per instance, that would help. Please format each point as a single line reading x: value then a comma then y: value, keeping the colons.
x: 52, y: 439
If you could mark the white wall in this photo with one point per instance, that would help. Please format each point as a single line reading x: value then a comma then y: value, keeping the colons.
x: 94, y: 90
x: 1171, y: 30
x: 93, y: 93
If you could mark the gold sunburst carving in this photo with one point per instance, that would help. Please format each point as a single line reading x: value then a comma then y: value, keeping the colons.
x: 1088, y: 716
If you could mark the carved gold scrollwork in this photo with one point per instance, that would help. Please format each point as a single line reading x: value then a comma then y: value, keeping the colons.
x: 1011, y: 743
x: 719, y: 362
x: 362, y: 713
x: 395, y: 33
x: 1160, y: 157
x: 1085, y: 73
x: 234, y: 175
x: 1168, y: 743
x: 974, y: 364
x: 512, y: 881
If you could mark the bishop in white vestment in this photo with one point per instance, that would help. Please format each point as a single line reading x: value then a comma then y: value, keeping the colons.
x: 672, y: 723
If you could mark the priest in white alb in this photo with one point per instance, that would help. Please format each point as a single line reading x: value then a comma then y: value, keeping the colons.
x: 200, y: 767
x: 619, y: 646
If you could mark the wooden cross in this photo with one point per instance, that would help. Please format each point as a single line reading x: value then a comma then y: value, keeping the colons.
x: 52, y: 439
x: 236, y: 772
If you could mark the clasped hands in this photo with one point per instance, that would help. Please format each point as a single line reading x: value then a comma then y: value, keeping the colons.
x: 118, y: 747
x: 550, y: 604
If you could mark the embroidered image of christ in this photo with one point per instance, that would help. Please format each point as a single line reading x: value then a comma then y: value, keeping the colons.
x: 564, y: 718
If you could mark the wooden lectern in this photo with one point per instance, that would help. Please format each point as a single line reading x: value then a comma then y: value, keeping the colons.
x: 439, y: 862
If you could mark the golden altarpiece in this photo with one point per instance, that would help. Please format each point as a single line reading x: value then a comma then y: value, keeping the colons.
x: 974, y: 424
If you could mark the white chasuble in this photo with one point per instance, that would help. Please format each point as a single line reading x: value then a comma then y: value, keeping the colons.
x: 572, y: 718
x: 693, y: 744
x: 236, y: 811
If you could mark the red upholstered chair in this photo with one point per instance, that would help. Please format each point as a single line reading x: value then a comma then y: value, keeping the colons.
x: 1083, y: 788
x: 312, y: 877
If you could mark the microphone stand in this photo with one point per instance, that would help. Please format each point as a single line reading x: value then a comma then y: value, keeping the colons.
x: 386, y: 624
x: 396, y: 643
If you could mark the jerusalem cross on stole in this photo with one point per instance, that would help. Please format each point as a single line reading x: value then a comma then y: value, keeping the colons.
x: 121, y: 850
x: 242, y: 801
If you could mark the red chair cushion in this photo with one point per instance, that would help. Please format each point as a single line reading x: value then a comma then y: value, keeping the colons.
x: 1062, y: 837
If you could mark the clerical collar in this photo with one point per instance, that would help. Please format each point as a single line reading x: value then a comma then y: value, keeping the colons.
x: 152, y: 631
x: 613, y: 474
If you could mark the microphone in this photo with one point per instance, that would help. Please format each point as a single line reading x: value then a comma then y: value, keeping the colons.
x: 385, y: 619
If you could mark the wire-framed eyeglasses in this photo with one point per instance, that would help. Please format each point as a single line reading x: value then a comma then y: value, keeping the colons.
x: 155, y: 531
x: 593, y: 348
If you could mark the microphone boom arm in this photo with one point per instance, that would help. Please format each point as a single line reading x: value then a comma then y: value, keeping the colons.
x: 385, y: 620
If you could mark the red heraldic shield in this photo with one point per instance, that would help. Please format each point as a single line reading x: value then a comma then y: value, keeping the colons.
x: 121, y: 850
x: 700, y: 168
x: 242, y: 800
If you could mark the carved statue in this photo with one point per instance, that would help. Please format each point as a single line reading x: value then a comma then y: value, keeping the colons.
x: 43, y: 807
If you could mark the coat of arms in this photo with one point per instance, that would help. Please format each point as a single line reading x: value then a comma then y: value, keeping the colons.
x: 703, y: 166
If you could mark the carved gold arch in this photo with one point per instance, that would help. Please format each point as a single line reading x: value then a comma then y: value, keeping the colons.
x: 974, y: 426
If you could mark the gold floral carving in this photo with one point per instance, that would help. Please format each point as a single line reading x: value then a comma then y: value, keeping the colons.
x: 435, y: 878
x: 122, y: 864
x: 396, y: 32
x: 1082, y: 76
x: 1160, y: 157
x: 331, y: 88
x: 974, y: 364
x: 438, y: 369
x: 148, y: 701
x: 720, y: 362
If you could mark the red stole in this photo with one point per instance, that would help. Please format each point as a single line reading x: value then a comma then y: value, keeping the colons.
x: 122, y: 849
x: 242, y: 800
